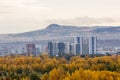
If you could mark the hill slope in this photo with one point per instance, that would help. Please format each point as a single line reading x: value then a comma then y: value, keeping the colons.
x: 55, y: 31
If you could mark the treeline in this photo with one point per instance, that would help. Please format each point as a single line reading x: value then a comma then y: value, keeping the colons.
x: 44, y: 67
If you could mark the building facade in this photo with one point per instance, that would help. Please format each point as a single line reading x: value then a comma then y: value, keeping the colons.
x: 61, y: 48
x: 31, y: 50
x: 77, y: 45
x: 84, y: 45
x: 93, y: 45
x: 56, y: 48
x: 67, y: 48
x: 53, y: 48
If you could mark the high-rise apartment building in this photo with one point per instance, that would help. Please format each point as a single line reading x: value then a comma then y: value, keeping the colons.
x: 93, y: 45
x: 67, y: 48
x: 77, y: 45
x: 53, y: 48
x: 61, y: 48
x: 85, y: 49
x: 84, y: 45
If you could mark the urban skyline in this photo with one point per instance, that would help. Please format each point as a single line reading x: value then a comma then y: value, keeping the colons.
x: 78, y: 47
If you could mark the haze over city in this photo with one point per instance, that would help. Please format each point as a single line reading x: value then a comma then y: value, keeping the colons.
x: 26, y: 15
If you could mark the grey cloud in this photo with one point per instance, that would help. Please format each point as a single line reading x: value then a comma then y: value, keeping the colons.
x: 84, y: 21
x: 90, y: 20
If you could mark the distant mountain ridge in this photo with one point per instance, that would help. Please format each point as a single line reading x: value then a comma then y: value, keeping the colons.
x: 109, y: 29
x: 56, y: 31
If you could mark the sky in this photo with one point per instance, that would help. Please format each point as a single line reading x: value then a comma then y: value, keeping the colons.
x: 18, y: 16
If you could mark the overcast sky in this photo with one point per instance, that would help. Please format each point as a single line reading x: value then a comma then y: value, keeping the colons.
x: 27, y: 15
